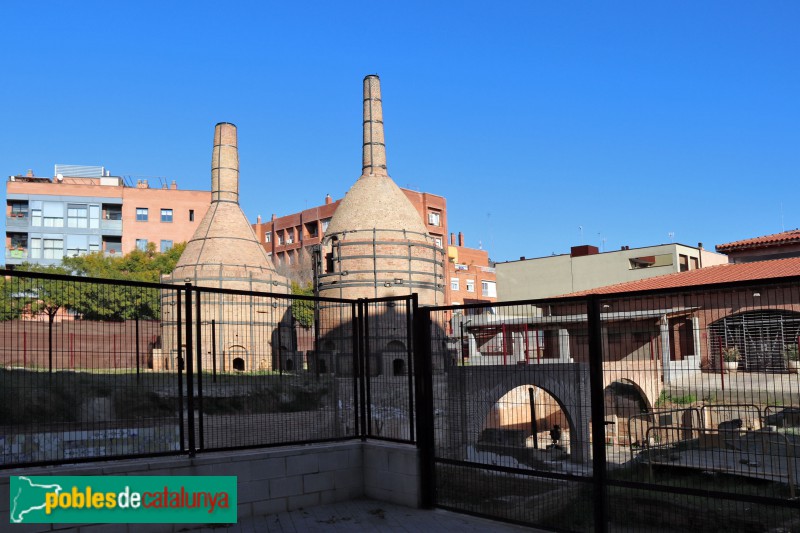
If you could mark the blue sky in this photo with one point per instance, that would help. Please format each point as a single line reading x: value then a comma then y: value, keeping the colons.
x: 630, y: 120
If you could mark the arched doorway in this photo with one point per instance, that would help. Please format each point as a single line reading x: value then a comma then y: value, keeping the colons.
x: 399, y: 367
x: 238, y: 358
x: 524, y: 417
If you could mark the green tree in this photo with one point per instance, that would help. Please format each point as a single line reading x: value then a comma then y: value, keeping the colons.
x: 303, y: 310
x: 46, y: 296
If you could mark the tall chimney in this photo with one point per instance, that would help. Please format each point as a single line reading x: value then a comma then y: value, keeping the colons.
x: 460, y: 239
x: 328, y: 199
x: 225, y: 164
x: 452, y: 239
x: 374, y: 155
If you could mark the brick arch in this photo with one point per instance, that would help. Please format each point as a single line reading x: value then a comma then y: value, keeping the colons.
x: 475, y: 391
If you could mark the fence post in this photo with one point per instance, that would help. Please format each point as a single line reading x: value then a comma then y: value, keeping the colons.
x: 198, y: 322
x: 138, y: 365
x: 599, y: 478
x: 189, y: 370
x: 424, y: 404
x: 179, y: 365
x: 411, y: 305
x: 362, y: 374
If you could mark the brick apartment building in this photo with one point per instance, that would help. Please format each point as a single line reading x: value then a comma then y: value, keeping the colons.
x: 290, y: 239
x: 85, y: 209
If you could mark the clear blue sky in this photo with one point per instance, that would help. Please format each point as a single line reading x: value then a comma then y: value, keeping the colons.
x: 632, y: 120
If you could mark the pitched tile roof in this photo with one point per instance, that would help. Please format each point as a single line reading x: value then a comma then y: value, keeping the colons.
x: 786, y: 237
x: 757, y: 270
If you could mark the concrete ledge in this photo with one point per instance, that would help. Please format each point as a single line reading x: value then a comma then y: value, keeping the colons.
x: 391, y: 473
x: 269, y: 480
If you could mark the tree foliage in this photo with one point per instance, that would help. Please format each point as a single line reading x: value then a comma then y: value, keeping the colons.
x: 97, y: 301
x: 38, y: 296
x: 303, y: 310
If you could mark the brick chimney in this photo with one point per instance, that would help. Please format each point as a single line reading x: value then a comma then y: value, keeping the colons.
x: 328, y: 199
x: 225, y: 164
x: 452, y: 239
x: 460, y: 239
x: 374, y: 153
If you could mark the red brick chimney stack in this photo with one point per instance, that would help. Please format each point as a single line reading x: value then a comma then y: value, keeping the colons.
x: 225, y: 164
x: 374, y: 154
x: 328, y: 199
x: 460, y: 239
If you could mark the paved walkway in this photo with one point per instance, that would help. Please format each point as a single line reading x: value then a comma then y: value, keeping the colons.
x: 365, y: 515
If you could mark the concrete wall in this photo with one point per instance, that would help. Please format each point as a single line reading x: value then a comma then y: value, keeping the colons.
x: 269, y: 481
x: 563, y: 274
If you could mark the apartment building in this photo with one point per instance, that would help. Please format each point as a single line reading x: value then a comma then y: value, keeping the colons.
x: 586, y: 268
x: 85, y: 209
x: 471, y: 278
x: 290, y: 240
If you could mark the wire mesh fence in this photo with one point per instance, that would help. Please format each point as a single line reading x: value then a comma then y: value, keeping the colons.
x: 667, y: 410
x: 670, y: 410
x: 96, y: 369
x: 76, y: 371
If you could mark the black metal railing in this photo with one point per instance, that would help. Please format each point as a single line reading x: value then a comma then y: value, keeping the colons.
x: 102, y: 369
x: 678, y: 408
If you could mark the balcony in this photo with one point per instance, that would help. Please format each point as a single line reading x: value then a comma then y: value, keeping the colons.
x: 114, y: 225
x: 17, y: 220
x: 17, y: 254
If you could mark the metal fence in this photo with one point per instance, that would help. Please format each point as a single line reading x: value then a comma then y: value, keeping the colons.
x: 670, y: 411
x: 100, y: 369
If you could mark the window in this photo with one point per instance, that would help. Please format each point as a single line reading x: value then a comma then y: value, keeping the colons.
x: 166, y: 215
x: 77, y: 216
x: 453, y: 284
x: 141, y: 214
x: 19, y: 240
x: 53, y: 214
x: 489, y: 288
x: 141, y: 244
x: 280, y: 238
x: 36, y: 248
x: 19, y: 209
x: 77, y: 245
x: 53, y: 249
x: 94, y: 216
x: 433, y: 218
x: 470, y: 285
x: 695, y: 263
x: 165, y: 246
x: 325, y: 223
x: 683, y: 260
x: 290, y: 236
x: 438, y: 241
x: 268, y: 236
x: 112, y: 212
x: 36, y: 217
x: 191, y: 215
x: 650, y: 261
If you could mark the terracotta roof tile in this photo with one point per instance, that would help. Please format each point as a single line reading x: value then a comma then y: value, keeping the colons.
x: 757, y: 270
x: 786, y: 237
